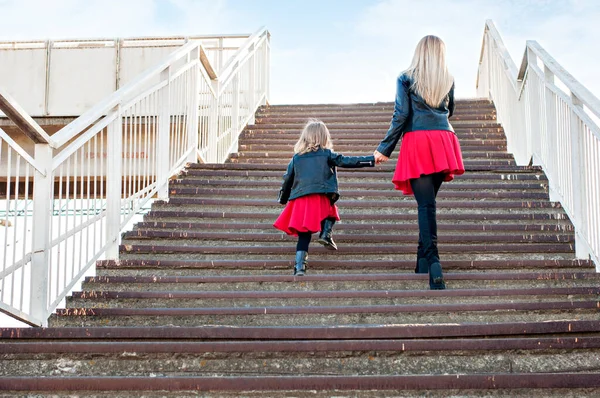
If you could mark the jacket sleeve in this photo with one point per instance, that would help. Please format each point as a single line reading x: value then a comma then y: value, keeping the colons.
x: 286, y: 186
x: 451, y: 101
x: 350, y: 162
x: 401, y: 112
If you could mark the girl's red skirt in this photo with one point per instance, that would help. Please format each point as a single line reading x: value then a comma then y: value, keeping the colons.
x: 427, y: 152
x: 304, y: 214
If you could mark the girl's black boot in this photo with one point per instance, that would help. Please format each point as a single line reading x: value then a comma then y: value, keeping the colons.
x: 325, y: 237
x: 301, y: 261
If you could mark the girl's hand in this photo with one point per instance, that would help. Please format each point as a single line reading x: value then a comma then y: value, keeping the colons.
x: 380, y: 158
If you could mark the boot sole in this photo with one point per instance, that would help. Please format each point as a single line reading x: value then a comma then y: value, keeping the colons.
x: 436, y: 281
x: 327, y: 245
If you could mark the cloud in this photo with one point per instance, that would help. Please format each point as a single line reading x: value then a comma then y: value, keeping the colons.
x: 43, y: 19
x: 567, y: 29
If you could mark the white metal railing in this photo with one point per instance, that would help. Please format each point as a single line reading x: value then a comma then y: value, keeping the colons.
x: 550, y: 120
x: 84, y: 183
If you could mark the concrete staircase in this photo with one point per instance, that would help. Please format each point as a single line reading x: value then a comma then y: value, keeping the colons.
x: 203, y: 301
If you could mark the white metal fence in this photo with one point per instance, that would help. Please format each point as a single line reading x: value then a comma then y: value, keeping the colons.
x: 84, y: 183
x: 549, y: 119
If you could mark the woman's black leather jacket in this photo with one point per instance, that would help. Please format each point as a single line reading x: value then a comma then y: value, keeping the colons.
x: 411, y: 113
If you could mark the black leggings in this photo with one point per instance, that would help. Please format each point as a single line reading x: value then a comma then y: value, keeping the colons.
x: 303, y: 241
x: 426, y: 188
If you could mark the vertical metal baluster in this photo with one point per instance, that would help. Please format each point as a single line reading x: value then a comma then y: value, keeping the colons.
x: 146, y: 139
x: 26, y: 218
x: 95, y: 200
x: 88, y: 210
x: 60, y: 219
x: 8, y: 174
x: 74, y: 218
x: 66, y: 216
x: 14, y: 257
x: 102, y: 180
x: 129, y: 194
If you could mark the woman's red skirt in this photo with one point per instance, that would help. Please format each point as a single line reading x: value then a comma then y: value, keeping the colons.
x: 427, y: 152
x: 304, y: 214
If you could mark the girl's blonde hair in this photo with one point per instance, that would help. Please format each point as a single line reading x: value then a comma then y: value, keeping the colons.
x: 314, y: 136
x: 429, y: 72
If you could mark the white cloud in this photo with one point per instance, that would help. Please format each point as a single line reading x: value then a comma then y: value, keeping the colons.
x: 568, y: 30
x: 362, y: 55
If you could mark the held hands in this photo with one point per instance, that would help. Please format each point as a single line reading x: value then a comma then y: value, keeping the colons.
x: 380, y: 158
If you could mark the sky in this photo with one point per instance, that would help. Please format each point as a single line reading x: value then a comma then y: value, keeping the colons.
x: 334, y: 51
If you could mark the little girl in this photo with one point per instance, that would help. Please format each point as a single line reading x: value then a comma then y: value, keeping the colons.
x: 310, y: 184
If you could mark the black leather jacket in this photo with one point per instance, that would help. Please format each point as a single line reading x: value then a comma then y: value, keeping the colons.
x: 315, y: 172
x: 411, y: 113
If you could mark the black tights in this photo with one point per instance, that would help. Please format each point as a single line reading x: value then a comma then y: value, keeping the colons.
x: 426, y: 188
x: 303, y: 241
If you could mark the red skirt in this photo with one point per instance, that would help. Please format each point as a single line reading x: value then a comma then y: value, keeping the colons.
x: 427, y: 152
x: 304, y: 214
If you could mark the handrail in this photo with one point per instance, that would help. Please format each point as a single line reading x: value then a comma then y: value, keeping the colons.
x: 242, y: 51
x: 547, y: 126
x: 22, y: 44
x: 18, y: 116
x: 583, y: 94
x: 76, y: 126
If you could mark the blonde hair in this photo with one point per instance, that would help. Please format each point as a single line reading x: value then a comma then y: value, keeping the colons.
x: 429, y: 72
x: 314, y: 136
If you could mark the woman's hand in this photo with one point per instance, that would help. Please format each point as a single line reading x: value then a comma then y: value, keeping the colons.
x: 380, y: 158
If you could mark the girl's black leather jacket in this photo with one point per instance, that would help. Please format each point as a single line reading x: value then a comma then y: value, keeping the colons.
x: 411, y: 113
x: 315, y: 172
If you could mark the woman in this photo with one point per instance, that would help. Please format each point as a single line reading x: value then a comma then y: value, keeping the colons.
x: 430, y: 152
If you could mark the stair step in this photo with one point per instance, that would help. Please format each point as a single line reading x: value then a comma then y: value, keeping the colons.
x: 193, y: 235
x: 383, y: 185
x: 362, y: 228
x: 322, y: 298
x: 508, y: 204
x: 369, y: 217
x: 158, y: 279
x: 205, y: 193
x: 556, y: 328
x: 486, y: 382
x: 547, y: 266
x: 346, y: 176
x: 189, y: 247
x: 330, y: 315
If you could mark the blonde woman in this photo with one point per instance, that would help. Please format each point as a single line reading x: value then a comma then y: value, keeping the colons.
x: 430, y: 152
x: 310, y: 189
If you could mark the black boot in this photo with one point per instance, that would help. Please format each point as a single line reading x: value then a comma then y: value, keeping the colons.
x: 325, y: 237
x: 422, y: 266
x: 301, y: 261
x: 436, y: 277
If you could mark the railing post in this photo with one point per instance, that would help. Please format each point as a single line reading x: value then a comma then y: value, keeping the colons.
x: 235, y: 108
x: 42, y: 216
x: 252, y: 83
x: 194, y: 103
x: 579, y: 191
x: 267, y: 68
x: 550, y: 133
x: 213, y: 126
x: 163, y: 149
x: 536, y: 121
x: 114, y: 181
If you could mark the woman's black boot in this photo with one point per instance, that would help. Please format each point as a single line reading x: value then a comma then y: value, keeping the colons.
x: 436, y: 277
x: 301, y: 261
x: 325, y: 237
x: 422, y: 266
